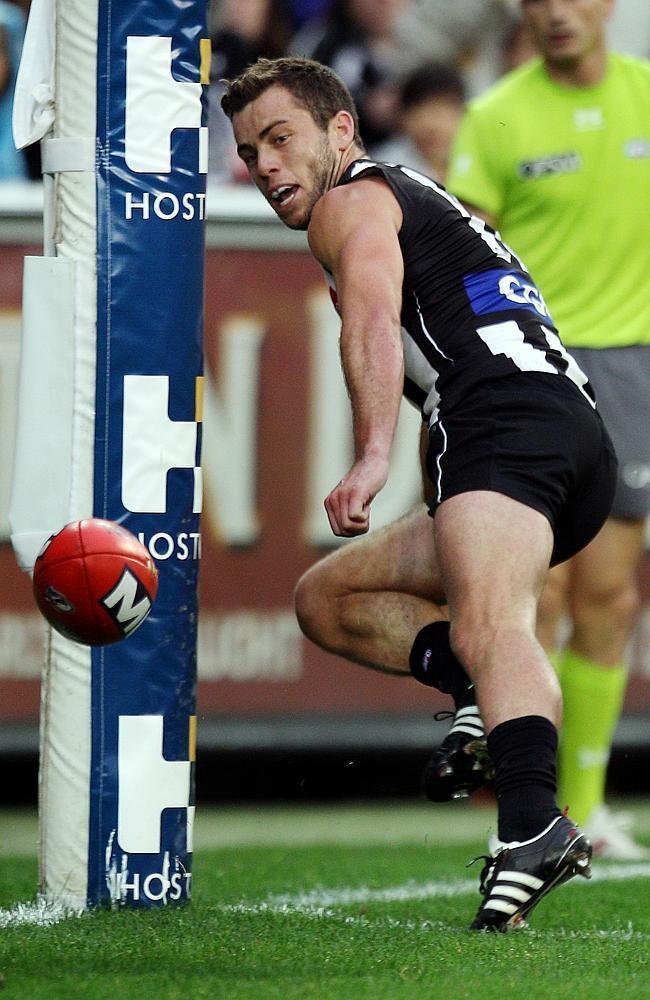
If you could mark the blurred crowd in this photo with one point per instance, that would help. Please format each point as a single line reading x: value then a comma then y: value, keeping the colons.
x: 410, y: 65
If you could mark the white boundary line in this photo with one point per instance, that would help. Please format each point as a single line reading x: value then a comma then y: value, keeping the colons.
x: 322, y: 902
x: 42, y: 913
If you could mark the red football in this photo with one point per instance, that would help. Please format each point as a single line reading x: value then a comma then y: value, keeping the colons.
x: 95, y: 582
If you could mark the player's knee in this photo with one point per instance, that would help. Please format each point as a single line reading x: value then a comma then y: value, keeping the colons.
x: 314, y: 598
x: 480, y: 642
x: 627, y: 605
x: 616, y: 605
x: 306, y: 604
x: 467, y: 640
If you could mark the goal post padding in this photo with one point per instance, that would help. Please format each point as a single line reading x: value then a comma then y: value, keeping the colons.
x: 126, y: 163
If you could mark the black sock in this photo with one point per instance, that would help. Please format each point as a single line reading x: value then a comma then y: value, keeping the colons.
x: 433, y: 663
x: 523, y: 752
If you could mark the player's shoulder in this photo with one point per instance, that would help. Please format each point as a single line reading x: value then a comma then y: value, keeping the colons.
x: 334, y: 205
x: 366, y: 169
x: 349, y: 205
x: 630, y: 66
x: 365, y: 182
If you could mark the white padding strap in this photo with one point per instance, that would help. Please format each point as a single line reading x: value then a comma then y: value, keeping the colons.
x: 68, y: 153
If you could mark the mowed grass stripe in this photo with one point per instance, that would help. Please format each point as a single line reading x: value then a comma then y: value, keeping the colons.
x: 301, y: 825
x: 367, y: 823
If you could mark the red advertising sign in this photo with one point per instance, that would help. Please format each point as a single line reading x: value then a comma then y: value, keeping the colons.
x: 276, y: 439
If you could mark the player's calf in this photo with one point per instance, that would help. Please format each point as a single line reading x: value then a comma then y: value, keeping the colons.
x: 461, y: 764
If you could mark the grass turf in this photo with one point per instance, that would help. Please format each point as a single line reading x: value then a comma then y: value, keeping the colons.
x: 275, y: 922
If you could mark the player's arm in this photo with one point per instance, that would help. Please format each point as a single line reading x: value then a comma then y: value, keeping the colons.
x: 354, y: 234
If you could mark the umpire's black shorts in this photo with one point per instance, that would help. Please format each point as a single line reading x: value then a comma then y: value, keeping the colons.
x: 533, y: 437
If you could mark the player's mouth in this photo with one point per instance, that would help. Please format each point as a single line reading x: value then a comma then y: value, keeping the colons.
x: 560, y: 38
x: 283, y: 195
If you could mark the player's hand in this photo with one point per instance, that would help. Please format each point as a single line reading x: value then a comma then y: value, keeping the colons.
x: 348, y: 505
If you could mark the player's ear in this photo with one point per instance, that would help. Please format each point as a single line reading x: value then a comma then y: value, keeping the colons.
x: 342, y: 129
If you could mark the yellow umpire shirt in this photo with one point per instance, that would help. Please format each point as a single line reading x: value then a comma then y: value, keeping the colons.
x: 565, y: 171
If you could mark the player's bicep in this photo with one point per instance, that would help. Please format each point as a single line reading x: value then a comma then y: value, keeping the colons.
x: 369, y: 275
x: 356, y: 237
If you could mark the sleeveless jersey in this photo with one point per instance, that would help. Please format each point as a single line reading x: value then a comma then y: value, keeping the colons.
x: 470, y: 311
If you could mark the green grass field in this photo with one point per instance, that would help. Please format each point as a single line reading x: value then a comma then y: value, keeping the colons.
x: 339, y: 903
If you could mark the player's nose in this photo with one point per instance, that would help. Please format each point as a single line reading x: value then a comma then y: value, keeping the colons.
x: 557, y: 11
x: 267, y: 162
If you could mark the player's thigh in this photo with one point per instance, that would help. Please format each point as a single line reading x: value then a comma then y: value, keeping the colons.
x: 399, y: 557
x: 494, y: 554
x: 610, y: 562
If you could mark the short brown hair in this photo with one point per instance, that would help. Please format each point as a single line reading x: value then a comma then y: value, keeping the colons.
x: 315, y: 86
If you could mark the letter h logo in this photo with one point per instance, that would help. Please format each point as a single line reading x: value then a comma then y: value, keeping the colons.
x: 148, y: 783
x: 156, y: 104
x: 152, y: 444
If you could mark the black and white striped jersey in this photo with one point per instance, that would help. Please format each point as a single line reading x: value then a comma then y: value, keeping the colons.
x: 471, y: 312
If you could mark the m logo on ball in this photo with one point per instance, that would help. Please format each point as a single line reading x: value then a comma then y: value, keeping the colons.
x: 128, y: 603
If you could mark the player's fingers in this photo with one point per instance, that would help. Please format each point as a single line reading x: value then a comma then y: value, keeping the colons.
x: 353, y: 519
x: 358, y: 506
x: 355, y: 528
x: 345, y: 513
x: 332, y: 511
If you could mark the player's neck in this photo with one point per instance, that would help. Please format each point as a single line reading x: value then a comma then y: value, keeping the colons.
x: 351, y: 154
x: 585, y: 72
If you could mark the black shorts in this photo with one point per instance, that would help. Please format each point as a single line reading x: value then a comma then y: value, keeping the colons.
x: 534, y: 440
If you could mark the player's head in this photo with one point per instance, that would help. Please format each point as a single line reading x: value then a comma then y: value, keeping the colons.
x: 432, y: 100
x: 296, y: 129
x: 567, y: 31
